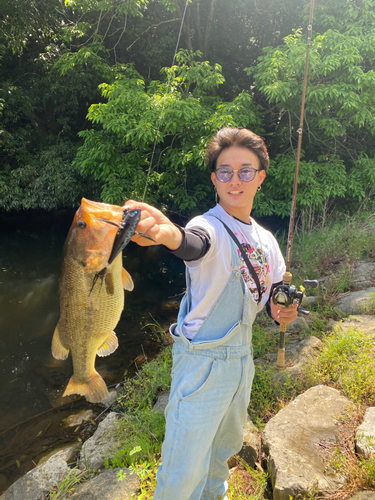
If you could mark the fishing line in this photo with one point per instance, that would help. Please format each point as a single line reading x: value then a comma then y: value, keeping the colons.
x: 163, y: 107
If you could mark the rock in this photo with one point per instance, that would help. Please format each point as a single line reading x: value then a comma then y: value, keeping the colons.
x: 110, y: 399
x: 38, y: 481
x: 360, y: 322
x: 355, y: 302
x: 295, y: 438
x: 71, y: 453
x: 101, y: 445
x: 161, y: 402
x: 299, y: 325
x: 251, y: 446
x: 77, y: 418
x: 364, y: 495
x: 297, y: 352
x: 308, y: 301
x: 365, y: 435
x: 107, y: 486
x: 364, y: 274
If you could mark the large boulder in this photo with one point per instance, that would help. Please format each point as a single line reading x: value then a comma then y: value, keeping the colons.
x: 364, y: 323
x: 365, y: 435
x: 37, y: 482
x: 355, y: 302
x: 296, y: 439
x: 363, y: 495
x: 364, y: 274
x: 119, y: 484
x: 102, y: 444
x: 297, y: 353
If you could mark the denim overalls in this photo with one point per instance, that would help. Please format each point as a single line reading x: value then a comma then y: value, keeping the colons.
x: 211, y: 385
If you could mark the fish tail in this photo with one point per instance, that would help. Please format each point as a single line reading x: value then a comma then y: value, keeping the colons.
x: 94, y: 390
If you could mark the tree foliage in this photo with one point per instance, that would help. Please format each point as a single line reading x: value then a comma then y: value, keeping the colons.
x: 154, y: 135
x: 97, y: 77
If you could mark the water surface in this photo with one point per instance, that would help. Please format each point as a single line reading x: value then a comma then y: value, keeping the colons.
x: 32, y: 411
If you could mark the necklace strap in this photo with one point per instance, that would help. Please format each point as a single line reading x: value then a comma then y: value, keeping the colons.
x: 245, y: 258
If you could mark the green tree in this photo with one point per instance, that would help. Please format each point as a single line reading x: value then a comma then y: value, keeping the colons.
x: 340, y: 104
x: 151, y: 138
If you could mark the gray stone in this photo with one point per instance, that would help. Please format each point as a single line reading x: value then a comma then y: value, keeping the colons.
x: 251, y: 446
x: 101, y: 445
x: 365, y: 435
x: 297, y: 352
x: 108, y: 486
x: 364, y: 495
x: 110, y: 399
x: 355, y: 302
x: 308, y: 301
x: 299, y: 325
x: 38, y: 481
x: 293, y: 441
x: 161, y: 402
x: 360, y: 322
x: 364, y: 274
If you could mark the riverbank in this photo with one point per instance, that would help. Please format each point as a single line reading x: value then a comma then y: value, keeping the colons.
x: 138, y: 437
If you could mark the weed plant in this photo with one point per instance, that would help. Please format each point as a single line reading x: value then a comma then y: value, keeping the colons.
x: 270, y: 393
x: 346, y: 362
x: 139, y: 439
x: 69, y: 482
x: 140, y: 393
x: 245, y: 483
x: 316, y: 253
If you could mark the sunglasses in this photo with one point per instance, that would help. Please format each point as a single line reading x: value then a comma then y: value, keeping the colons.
x: 224, y: 174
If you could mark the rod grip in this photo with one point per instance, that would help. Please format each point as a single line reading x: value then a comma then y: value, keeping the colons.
x: 281, y: 358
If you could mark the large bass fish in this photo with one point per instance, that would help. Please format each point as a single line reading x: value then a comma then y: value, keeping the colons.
x: 91, y: 292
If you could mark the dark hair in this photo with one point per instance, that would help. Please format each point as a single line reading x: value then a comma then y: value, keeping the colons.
x: 236, y: 137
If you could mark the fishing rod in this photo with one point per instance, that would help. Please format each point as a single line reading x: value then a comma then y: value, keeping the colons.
x: 162, y: 110
x: 287, y: 294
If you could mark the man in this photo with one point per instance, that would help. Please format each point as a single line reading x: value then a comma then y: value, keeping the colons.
x: 232, y: 266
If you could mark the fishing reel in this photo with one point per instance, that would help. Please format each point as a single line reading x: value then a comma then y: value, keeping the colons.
x: 286, y: 295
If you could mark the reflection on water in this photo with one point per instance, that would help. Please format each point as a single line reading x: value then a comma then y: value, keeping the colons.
x: 32, y: 381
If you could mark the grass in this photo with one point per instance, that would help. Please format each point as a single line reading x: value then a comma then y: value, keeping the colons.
x: 245, y: 483
x: 139, y: 439
x: 317, y: 253
x: 347, y: 363
x: 141, y: 392
x: 369, y: 308
x: 69, y: 482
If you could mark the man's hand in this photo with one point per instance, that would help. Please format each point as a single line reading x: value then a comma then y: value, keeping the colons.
x: 284, y: 314
x: 155, y: 224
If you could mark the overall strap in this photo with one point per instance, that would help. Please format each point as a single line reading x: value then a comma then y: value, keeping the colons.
x: 245, y: 258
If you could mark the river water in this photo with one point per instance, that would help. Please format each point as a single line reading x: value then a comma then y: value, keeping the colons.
x: 32, y: 411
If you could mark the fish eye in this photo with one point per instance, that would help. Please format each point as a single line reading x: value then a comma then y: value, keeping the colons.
x: 81, y: 224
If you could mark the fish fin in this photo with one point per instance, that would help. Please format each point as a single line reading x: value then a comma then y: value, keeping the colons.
x: 109, y: 345
x: 58, y: 350
x: 94, y: 390
x: 127, y: 281
x: 109, y: 285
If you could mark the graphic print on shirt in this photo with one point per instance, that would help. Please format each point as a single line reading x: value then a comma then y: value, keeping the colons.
x: 257, y: 255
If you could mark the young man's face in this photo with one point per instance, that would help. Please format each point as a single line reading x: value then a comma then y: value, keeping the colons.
x: 237, y: 196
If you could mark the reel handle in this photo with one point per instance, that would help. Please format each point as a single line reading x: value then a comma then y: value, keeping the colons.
x: 311, y: 283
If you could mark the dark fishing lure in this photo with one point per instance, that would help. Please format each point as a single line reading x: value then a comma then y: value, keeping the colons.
x: 124, y: 234
x: 125, y: 231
